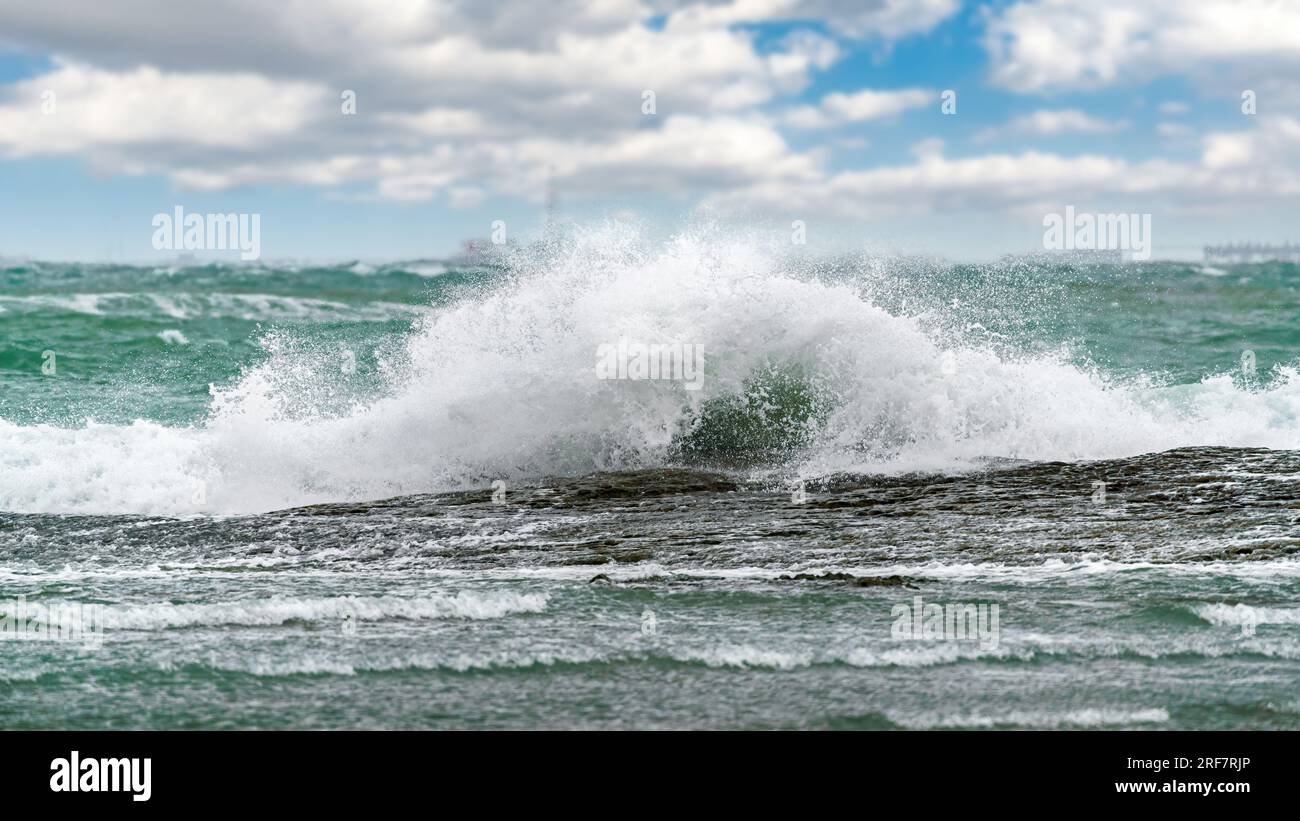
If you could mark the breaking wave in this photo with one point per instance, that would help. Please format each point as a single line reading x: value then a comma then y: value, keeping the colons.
x: 282, y: 610
x: 803, y: 375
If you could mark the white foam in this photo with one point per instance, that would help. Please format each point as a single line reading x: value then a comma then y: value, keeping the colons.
x: 180, y: 305
x: 278, y: 610
x: 1237, y: 615
x: 173, y: 336
x: 745, y: 655
x: 919, y: 655
x: 428, y: 270
x: 139, y: 468
x: 318, y: 664
x: 1088, y: 717
x: 1023, y: 573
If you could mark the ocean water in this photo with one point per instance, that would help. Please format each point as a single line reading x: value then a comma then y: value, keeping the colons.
x: 397, y: 496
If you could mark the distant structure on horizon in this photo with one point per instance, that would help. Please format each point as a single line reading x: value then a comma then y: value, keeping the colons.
x: 477, y: 252
x: 552, y: 201
x: 1252, y: 252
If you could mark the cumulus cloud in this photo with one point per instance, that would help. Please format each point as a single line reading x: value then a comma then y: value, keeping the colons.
x: 936, y: 183
x: 886, y: 19
x: 1050, y: 123
x: 454, y: 98
x: 1251, y: 166
x: 1053, y: 45
x: 89, y: 109
x: 459, y: 101
x: 838, y: 109
x: 1271, y: 149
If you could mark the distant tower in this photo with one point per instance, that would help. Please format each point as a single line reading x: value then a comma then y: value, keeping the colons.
x: 552, y: 201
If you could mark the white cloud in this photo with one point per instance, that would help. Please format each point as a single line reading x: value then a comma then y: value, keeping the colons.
x: 1050, y: 123
x: 459, y: 101
x: 440, y: 122
x: 1271, y: 149
x: 861, y: 106
x: 1051, y: 45
x: 95, y: 109
x: 887, y: 19
x: 1236, y: 169
x: 454, y: 97
x: 890, y: 18
x: 687, y: 153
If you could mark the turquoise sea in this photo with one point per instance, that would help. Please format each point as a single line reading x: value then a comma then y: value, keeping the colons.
x: 395, y: 495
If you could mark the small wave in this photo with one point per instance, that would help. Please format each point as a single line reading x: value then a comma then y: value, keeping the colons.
x: 15, y: 675
x: 275, y: 611
x: 736, y: 656
x: 1023, y: 648
x: 451, y: 663
x: 1080, y: 567
x: 89, y: 304
x: 746, y: 655
x: 173, y: 336
x: 1241, y: 615
x: 187, y: 306
x: 429, y: 270
x: 1091, y: 717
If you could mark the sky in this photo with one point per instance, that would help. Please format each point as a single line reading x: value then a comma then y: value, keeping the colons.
x: 756, y: 113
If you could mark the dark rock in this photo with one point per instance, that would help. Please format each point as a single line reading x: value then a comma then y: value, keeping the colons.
x: 857, y: 581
